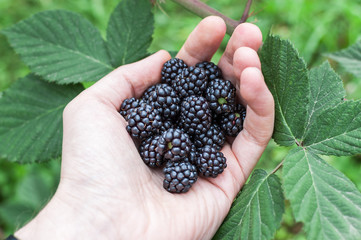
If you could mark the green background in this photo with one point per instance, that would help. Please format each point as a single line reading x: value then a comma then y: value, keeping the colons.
x: 315, y: 28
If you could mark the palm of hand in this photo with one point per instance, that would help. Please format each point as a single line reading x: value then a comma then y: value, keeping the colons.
x: 101, y: 161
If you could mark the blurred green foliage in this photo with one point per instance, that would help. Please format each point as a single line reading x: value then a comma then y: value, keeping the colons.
x: 315, y: 28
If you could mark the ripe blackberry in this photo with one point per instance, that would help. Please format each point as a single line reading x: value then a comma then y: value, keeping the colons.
x: 214, y: 137
x: 128, y: 104
x: 212, y: 70
x: 163, y: 98
x: 179, y: 176
x: 171, y: 69
x: 195, y: 116
x: 148, y: 152
x: 192, y: 81
x: 221, y: 95
x: 143, y: 121
x: 193, y: 155
x: 232, y: 123
x: 211, y: 162
x: 147, y: 93
x: 166, y: 125
x: 174, y: 144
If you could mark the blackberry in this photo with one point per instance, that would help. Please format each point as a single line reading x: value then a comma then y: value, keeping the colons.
x: 163, y: 98
x: 149, y: 154
x: 179, y: 176
x: 143, y: 121
x: 193, y: 155
x: 211, y: 162
x: 128, y: 104
x: 166, y: 125
x: 214, y: 136
x: 221, y: 95
x: 147, y: 93
x: 174, y: 144
x: 192, y: 81
x: 212, y: 70
x: 232, y: 123
x: 195, y: 116
x: 171, y: 69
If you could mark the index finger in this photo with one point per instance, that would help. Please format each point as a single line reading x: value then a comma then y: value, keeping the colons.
x: 204, y: 41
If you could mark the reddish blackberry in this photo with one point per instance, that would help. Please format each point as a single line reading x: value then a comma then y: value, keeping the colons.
x: 164, y: 99
x: 195, y: 116
x: 211, y: 162
x: 149, y: 154
x: 221, y: 95
x: 128, y: 104
x: 212, y: 70
x: 171, y: 69
x: 214, y: 137
x: 192, y: 81
x: 174, y: 144
x: 232, y: 123
x: 143, y: 121
x: 179, y: 176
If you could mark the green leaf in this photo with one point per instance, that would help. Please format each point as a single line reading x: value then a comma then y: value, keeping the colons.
x: 16, y: 213
x: 60, y: 46
x: 326, y: 90
x: 349, y: 58
x: 325, y: 200
x: 286, y: 75
x: 34, y: 191
x: 129, y: 31
x: 31, y: 119
x: 336, y: 131
x: 257, y: 211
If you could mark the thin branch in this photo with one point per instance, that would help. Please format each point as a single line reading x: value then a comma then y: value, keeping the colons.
x: 203, y: 10
x: 246, y: 11
x: 278, y: 167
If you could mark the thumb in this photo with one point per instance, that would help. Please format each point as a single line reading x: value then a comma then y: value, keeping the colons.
x: 130, y: 80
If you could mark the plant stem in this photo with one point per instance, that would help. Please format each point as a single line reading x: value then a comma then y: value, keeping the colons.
x: 203, y: 10
x: 246, y: 11
x: 278, y: 167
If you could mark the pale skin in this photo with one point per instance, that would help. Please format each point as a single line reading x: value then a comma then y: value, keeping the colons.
x: 107, y: 192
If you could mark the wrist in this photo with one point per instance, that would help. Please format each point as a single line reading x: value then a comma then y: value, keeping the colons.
x: 69, y: 217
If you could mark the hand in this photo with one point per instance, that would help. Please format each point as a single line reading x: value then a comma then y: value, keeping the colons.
x: 107, y: 192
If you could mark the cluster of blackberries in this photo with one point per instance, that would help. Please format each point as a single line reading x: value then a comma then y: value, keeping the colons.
x: 183, y: 121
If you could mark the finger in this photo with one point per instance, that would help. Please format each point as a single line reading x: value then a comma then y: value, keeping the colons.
x: 244, y: 57
x: 258, y: 126
x: 127, y: 81
x: 204, y: 41
x: 245, y: 35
